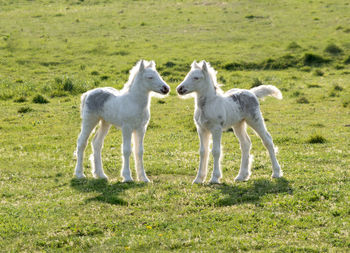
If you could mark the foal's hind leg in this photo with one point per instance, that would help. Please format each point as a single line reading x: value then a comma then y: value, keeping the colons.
x: 97, y: 144
x: 259, y: 126
x: 88, y: 124
x: 245, y: 143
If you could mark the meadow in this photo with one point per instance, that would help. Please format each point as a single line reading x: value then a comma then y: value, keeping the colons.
x: 53, y: 51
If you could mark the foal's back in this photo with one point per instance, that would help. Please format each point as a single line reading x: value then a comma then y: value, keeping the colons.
x: 94, y: 101
x: 114, y: 106
x: 246, y: 102
x: 234, y: 106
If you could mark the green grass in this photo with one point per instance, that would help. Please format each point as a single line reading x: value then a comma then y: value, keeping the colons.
x: 39, y: 99
x: 60, y: 49
x: 316, y: 139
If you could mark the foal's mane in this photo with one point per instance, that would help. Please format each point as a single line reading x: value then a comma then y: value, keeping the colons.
x: 133, y: 73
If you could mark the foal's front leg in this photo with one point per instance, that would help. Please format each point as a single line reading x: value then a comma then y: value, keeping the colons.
x: 126, y: 173
x: 138, y: 151
x: 216, y: 151
x: 204, y: 153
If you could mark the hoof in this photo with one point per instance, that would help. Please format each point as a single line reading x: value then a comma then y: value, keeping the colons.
x: 80, y: 176
x: 145, y: 180
x: 277, y: 174
x: 242, y: 178
x: 198, y: 181
x: 214, y: 181
x: 100, y: 176
x: 128, y: 180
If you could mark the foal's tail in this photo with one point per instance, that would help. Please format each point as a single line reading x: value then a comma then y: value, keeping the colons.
x: 82, y: 104
x: 267, y: 90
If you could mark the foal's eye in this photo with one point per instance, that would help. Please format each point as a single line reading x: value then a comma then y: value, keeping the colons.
x: 150, y: 77
x: 196, y: 78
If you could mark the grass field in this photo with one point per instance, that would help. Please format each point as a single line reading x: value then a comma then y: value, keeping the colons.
x: 52, y: 51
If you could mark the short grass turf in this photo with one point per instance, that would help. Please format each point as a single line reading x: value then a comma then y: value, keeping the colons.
x: 52, y: 51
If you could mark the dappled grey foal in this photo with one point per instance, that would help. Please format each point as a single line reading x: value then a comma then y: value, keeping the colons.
x: 216, y: 111
x: 128, y: 109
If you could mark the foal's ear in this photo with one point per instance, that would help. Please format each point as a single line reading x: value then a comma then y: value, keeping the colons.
x: 195, y: 65
x: 205, y: 66
x: 142, y: 66
x: 152, y: 65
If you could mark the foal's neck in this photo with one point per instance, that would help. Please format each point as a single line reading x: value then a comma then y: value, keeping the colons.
x: 139, y: 93
x: 206, y: 94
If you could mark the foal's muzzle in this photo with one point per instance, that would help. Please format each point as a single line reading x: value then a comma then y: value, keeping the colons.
x: 164, y: 90
x: 181, y: 90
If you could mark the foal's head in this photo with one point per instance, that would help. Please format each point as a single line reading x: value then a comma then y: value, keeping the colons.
x: 150, y: 78
x: 200, y: 77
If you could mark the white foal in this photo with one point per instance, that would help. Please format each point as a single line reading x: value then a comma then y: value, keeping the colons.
x: 216, y: 111
x: 128, y: 109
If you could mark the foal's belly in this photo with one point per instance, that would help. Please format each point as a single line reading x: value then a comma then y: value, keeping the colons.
x: 131, y: 121
x: 224, y: 119
x: 232, y: 121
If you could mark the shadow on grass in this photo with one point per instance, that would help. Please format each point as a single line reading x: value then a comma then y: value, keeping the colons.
x: 251, y: 192
x: 109, y: 193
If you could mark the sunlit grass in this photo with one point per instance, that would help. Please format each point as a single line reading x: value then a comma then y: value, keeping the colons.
x: 60, y: 49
